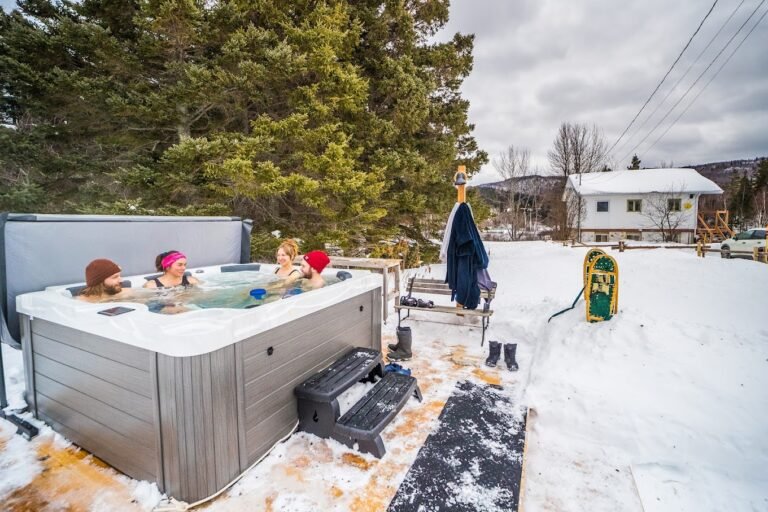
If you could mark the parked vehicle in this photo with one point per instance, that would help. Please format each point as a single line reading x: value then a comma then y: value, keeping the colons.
x: 745, y: 241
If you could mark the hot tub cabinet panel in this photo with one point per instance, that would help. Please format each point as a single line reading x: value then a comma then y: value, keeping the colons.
x: 189, y: 423
x: 96, y: 392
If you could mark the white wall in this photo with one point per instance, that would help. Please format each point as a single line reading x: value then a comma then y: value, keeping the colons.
x: 618, y: 218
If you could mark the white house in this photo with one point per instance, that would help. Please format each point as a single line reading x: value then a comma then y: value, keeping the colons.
x: 643, y: 204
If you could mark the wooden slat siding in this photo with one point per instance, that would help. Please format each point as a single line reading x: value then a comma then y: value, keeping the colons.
x: 129, y: 426
x: 105, y: 452
x: 156, y: 426
x: 267, y: 375
x: 135, y: 460
x: 122, y: 353
x: 29, y: 362
x: 125, y: 400
x: 327, y: 317
x: 275, y: 400
x: 170, y: 421
x: 127, y: 377
x: 307, y: 331
x: 240, y: 386
x: 261, y: 437
x: 198, y: 400
x: 225, y: 395
x: 375, y: 341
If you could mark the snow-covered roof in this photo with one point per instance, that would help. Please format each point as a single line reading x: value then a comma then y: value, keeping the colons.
x: 643, y: 181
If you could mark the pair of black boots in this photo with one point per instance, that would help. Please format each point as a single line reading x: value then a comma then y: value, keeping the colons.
x: 402, y: 350
x: 510, y: 349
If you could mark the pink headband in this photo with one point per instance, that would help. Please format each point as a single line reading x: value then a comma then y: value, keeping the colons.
x: 171, y: 259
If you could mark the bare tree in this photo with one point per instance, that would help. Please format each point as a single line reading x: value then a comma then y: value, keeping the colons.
x: 578, y: 148
x: 665, y: 211
x: 513, y: 165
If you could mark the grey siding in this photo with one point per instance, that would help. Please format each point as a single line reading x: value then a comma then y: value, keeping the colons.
x: 299, y: 349
x: 198, y: 418
x: 98, y: 393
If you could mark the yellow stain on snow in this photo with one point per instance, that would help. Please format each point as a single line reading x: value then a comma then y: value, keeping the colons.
x: 71, y: 480
x: 490, y: 378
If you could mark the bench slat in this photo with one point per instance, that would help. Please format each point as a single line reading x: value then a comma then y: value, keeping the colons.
x: 447, y: 309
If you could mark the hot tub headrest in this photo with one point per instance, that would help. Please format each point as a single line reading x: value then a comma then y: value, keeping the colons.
x: 343, y: 275
x: 75, y: 290
x: 241, y: 267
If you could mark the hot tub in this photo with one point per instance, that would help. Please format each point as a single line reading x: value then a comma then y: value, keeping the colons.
x: 189, y: 400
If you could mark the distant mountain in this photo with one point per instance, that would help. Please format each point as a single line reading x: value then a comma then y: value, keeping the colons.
x: 720, y: 172
x: 723, y: 172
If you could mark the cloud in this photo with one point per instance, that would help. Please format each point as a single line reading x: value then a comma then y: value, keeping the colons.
x: 539, y: 63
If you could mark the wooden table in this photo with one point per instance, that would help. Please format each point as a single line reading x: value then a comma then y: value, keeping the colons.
x: 382, y: 265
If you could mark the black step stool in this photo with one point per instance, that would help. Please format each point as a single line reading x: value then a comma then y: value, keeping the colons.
x: 363, y: 423
x: 317, y: 396
x: 318, y: 404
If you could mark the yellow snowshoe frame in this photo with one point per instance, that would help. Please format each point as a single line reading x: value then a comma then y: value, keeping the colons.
x: 601, y: 290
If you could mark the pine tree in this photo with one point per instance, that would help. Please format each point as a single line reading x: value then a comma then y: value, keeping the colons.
x: 635, y: 163
x: 336, y: 121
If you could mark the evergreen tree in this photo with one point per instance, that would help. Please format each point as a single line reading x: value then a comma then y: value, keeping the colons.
x: 635, y: 163
x: 332, y: 121
x: 741, y: 200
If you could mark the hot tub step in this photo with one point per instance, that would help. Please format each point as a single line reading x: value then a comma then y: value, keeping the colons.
x: 363, y: 423
x: 317, y: 396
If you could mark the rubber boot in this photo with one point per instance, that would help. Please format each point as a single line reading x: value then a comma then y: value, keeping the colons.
x: 402, y: 351
x: 510, y: 349
x: 495, y: 352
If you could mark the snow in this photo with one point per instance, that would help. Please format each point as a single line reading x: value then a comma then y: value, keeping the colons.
x: 662, y: 408
x: 643, y: 181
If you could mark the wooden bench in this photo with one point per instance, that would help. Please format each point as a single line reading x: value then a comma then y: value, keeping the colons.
x: 437, y: 287
x: 318, y: 404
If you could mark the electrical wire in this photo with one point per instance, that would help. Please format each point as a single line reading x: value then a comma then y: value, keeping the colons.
x: 665, y: 77
x: 708, y: 82
x: 631, y: 151
x: 695, y: 61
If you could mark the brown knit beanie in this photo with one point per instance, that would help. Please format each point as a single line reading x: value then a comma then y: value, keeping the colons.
x: 98, y: 270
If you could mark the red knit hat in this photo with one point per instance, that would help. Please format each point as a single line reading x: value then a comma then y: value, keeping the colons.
x: 98, y: 270
x: 317, y: 260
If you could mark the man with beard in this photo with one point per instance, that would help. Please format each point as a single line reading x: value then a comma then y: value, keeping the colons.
x: 312, y: 265
x: 102, y: 280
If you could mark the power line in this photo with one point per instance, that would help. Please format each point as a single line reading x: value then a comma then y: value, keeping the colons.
x: 665, y: 77
x: 696, y: 60
x: 708, y: 82
x: 694, y: 83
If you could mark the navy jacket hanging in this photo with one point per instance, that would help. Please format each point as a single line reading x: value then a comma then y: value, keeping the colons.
x: 466, y: 255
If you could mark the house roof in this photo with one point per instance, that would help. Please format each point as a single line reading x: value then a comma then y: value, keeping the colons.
x: 643, y: 181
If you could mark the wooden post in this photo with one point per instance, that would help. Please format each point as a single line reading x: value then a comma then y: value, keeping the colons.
x: 460, y: 179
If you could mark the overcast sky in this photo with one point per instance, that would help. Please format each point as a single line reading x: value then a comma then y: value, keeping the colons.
x: 541, y: 62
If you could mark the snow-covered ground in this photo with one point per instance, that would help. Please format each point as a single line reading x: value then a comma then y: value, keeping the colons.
x: 662, y: 408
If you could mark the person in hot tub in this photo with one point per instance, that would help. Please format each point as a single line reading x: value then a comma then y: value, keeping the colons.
x: 285, y: 255
x: 312, y: 265
x: 102, y: 281
x: 173, y: 265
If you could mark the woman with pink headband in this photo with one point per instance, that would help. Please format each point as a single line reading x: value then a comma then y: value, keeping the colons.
x: 173, y: 265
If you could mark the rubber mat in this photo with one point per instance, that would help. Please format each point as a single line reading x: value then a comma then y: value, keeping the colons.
x: 473, y: 460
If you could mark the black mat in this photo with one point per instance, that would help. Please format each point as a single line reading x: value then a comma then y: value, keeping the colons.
x: 472, y: 461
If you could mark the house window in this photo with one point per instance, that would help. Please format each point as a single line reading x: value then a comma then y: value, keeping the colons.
x: 674, y: 205
x: 601, y: 237
x: 634, y: 205
x: 633, y: 236
x: 602, y: 206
